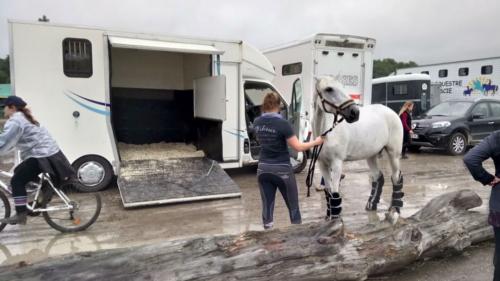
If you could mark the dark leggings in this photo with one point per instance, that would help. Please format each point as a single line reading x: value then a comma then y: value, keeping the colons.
x: 23, y: 173
x: 406, y: 142
x: 496, y: 262
x: 278, y: 176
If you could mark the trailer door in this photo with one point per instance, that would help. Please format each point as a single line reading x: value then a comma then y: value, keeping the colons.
x: 210, y: 98
x: 343, y: 64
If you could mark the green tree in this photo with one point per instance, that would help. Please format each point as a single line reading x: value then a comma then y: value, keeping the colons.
x: 384, y: 67
x: 4, y: 71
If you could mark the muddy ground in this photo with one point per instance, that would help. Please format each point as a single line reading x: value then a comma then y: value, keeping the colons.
x: 427, y: 174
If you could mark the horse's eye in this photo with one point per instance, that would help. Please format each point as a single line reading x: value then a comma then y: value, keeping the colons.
x: 329, y: 89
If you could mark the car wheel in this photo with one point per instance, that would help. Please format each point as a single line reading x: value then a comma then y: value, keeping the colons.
x: 457, y: 144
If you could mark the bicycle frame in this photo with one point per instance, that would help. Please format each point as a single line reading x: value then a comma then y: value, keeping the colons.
x: 43, y: 177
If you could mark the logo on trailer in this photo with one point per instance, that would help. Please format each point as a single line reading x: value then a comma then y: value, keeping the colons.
x: 480, y: 86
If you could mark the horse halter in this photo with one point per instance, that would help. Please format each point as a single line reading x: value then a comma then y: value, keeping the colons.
x: 337, y: 108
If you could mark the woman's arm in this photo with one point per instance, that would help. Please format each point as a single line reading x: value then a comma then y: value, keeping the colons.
x: 294, y: 143
x: 9, y: 137
x: 404, y: 120
x: 476, y: 156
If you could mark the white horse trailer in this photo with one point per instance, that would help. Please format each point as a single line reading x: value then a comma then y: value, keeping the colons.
x: 467, y: 79
x: 101, y: 92
x: 347, y: 58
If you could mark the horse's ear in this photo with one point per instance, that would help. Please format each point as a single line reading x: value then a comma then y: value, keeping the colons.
x: 316, y: 82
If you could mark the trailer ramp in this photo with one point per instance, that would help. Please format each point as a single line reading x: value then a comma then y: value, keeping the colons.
x: 154, y: 182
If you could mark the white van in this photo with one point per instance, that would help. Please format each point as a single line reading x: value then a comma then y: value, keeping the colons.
x: 348, y: 58
x: 100, y: 92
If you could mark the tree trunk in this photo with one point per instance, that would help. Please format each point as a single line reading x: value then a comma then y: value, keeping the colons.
x: 304, y: 252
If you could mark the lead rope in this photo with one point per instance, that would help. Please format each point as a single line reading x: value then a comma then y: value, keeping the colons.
x: 315, y: 155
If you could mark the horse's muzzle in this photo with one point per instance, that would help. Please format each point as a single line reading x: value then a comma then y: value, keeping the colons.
x: 351, y: 113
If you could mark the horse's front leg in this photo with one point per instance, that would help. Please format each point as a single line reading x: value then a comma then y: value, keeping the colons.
x: 332, y: 172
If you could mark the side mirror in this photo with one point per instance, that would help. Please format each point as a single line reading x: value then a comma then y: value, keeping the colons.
x: 477, y: 116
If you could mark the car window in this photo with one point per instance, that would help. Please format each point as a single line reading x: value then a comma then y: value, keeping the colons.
x: 495, y: 109
x: 450, y: 109
x: 481, y: 109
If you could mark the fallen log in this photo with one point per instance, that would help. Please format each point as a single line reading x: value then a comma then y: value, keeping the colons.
x: 296, y: 253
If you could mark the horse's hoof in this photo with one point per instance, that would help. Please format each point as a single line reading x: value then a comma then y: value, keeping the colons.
x: 319, y: 187
x: 392, y: 216
x: 334, y: 228
x: 370, y: 207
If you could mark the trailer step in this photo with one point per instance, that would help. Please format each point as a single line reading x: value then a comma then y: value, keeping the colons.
x: 154, y: 182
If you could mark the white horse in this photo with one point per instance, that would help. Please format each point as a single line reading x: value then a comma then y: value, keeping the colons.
x: 368, y: 131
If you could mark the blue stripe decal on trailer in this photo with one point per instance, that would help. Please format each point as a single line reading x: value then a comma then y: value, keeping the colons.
x: 235, y: 134
x: 93, y: 101
x: 99, y: 111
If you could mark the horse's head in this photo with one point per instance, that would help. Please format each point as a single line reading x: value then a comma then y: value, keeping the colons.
x: 332, y: 98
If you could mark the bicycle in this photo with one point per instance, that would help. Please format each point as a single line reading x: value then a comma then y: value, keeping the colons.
x: 62, y: 211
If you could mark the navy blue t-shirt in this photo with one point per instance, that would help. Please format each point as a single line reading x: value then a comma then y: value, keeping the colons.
x: 272, y: 132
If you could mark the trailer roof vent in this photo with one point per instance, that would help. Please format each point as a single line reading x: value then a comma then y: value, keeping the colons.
x: 325, y: 53
x: 340, y: 54
x: 355, y: 55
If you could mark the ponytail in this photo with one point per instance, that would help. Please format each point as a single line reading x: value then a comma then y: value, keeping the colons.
x: 28, y: 115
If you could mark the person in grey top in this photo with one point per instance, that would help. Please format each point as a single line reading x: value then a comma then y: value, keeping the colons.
x: 39, y: 154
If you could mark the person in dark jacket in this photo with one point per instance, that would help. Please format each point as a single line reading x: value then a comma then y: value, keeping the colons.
x: 39, y: 153
x: 405, y: 115
x: 489, y: 148
x: 275, y: 134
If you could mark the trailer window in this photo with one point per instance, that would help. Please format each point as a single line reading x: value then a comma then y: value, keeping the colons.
x: 443, y: 73
x: 344, y: 44
x: 486, y: 69
x: 296, y: 96
x: 464, y: 71
x: 77, y: 57
x: 400, y: 89
x: 291, y: 69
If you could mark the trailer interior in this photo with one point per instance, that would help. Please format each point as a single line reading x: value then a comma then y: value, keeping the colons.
x: 152, y: 103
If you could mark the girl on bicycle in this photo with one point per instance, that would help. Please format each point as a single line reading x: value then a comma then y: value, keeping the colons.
x: 39, y: 154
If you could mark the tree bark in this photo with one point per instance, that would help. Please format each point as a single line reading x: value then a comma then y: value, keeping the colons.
x: 304, y: 252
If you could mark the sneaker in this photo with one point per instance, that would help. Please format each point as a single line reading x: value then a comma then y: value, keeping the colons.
x: 18, y: 218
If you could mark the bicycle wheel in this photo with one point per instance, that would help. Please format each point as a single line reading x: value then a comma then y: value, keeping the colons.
x: 85, y: 210
x: 4, y: 208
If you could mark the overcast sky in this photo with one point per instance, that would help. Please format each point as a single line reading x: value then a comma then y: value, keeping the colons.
x: 425, y: 31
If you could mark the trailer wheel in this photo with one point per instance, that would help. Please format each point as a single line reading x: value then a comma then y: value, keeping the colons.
x: 93, y: 172
x: 299, y: 166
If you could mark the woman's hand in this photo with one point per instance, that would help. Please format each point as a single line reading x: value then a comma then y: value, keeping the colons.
x: 318, y: 141
x: 494, y: 182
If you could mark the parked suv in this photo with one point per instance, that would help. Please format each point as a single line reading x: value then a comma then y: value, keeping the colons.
x: 456, y: 124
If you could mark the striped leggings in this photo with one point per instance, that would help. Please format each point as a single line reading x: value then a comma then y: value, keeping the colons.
x: 23, y: 173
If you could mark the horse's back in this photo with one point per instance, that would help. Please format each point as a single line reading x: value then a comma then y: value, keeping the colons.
x: 373, y: 110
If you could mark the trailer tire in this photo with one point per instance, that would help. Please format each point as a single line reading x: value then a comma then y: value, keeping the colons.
x: 299, y: 167
x: 93, y: 172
